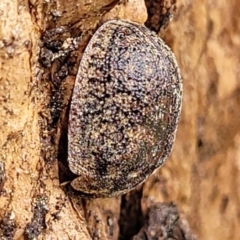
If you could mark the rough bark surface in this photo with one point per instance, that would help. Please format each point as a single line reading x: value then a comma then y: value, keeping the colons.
x: 37, y: 73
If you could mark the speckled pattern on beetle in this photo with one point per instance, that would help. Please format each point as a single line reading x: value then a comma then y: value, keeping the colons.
x: 124, y: 110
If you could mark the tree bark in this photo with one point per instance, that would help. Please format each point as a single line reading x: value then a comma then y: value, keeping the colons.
x: 202, y: 174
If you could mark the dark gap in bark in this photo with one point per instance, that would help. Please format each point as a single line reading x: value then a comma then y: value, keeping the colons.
x: 130, y: 221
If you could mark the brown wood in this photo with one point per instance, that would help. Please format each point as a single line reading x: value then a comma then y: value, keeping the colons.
x: 202, y: 174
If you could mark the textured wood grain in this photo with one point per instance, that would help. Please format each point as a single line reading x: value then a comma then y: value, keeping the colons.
x: 202, y: 174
